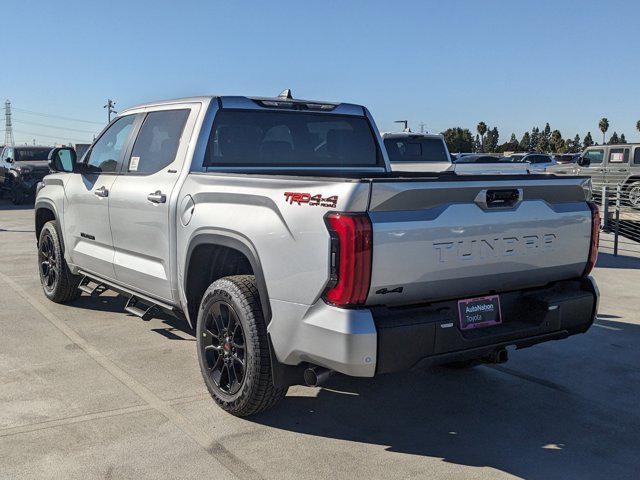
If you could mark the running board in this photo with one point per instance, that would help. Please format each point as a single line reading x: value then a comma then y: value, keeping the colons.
x: 137, y: 304
x: 94, y: 291
x: 133, y: 308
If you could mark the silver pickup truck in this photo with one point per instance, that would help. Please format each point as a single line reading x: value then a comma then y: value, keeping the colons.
x: 277, y: 229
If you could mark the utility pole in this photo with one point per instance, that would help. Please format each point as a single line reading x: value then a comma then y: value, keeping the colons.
x: 422, y: 125
x: 405, y: 123
x: 109, y: 106
x: 8, y: 128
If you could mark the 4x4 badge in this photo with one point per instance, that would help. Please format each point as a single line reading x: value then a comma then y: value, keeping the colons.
x: 312, y: 200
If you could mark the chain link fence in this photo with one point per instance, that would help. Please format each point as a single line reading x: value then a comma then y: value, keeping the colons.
x: 619, y: 201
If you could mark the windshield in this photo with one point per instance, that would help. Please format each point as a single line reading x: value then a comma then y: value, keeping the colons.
x: 31, y: 154
x: 271, y: 138
x: 416, y: 149
x: 513, y: 158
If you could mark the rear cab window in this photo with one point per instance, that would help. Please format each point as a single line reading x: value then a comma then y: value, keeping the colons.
x: 416, y: 149
x: 270, y: 138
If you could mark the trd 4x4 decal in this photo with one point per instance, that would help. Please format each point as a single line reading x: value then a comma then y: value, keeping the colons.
x: 313, y: 200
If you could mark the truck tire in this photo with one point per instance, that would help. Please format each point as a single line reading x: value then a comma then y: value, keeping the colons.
x: 58, y: 283
x: 233, y: 347
x: 633, y: 195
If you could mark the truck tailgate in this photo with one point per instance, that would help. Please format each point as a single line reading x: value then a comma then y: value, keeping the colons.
x: 456, y: 238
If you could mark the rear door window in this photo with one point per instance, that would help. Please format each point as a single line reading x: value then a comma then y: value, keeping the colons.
x: 158, y: 140
x: 636, y: 156
x: 416, y: 149
x: 272, y: 138
x: 619, y: 155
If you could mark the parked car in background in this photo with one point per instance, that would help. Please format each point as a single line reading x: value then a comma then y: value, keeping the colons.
x: 481, y: 163
x: 21, y: 168
x: 566, y: 163
x: 613, y: 165
x: 539, y: 162
x: 477, y: 158
x: 417, y: 152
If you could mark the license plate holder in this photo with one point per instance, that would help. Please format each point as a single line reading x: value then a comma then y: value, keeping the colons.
x: 479, y: 312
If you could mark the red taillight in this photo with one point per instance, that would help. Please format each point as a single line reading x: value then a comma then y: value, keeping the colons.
x: 350, y: 258
x: 595, y: 237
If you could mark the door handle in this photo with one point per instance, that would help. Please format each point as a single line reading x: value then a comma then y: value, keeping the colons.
x: 157, y: 197
x: 101, y: 192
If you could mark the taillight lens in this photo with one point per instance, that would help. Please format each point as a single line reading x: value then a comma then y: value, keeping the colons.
x: 351, y: 247
x: 595, y: 237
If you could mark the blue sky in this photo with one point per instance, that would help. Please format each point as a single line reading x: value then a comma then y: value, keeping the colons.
x: 512, y: 64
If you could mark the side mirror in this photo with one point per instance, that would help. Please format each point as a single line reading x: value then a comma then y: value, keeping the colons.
x: 9, y: 160
x: 62, y: 159
x: 583, y: 161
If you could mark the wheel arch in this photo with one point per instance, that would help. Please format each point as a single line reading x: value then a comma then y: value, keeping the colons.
x: 226, y: 247
x: 630, y: 180
x: 44, y: 212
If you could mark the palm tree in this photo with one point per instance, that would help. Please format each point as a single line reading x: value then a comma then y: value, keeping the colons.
x: 482, y: 129
x: 604, y: 126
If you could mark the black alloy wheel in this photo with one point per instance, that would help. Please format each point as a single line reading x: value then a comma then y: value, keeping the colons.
x: 223, y: 345
x: 48, y: 261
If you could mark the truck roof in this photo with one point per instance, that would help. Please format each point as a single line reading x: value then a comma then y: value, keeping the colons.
x: 233, y: 101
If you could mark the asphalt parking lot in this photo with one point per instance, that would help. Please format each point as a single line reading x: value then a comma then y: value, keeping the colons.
x: 87, y: 391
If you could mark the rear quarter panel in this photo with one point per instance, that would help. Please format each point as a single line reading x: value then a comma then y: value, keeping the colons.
x: 290, y: 239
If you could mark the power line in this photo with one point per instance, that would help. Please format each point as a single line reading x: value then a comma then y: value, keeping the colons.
x: 30, y: 112
x: 54, y: 126
x: 56, y: 137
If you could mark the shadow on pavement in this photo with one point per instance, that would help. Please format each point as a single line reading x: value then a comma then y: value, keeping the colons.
x: 484, y: 417
x: 608, y: 260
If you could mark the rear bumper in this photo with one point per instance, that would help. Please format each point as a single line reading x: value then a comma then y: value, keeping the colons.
x: 366, y: 342
x: 422, y: 336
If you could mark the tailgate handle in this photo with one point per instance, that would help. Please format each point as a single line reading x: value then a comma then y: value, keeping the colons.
x: 499, y: 198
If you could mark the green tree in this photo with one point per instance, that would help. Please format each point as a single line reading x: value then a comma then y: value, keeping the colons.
x: 525, y: 142
x: 491, y: 140
x: 623, y: 139
x: 638, y: 125
x: 603, y: 125
x: 556, y: 142
x: 535, y: 138
x: 614, y: 139
x: 458, y: 139
x: 481, y: 129
x: 574, y: 146
x: 588, y: 140
x: 543, y: 144
x: 477, y: 147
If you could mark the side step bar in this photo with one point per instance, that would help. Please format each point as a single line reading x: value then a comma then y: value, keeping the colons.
x: 133, y: 308
x: 94, y: 291
x: 137, y: 304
